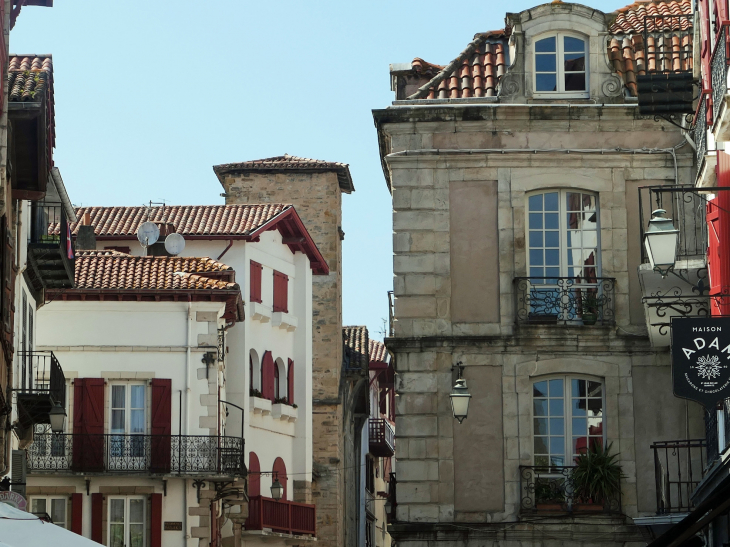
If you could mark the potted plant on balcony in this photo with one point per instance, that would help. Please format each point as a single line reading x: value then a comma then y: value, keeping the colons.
x: 590, y: 308
x: 596, y: 479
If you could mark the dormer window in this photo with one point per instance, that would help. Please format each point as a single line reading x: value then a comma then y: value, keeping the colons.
x: 560, y: 65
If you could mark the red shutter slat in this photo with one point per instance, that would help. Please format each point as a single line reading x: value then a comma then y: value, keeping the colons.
x: 290, y: 383
x: 156, y: 521
x: 161, y: 422
x: 77, y: 505
x: 255, y: 286
x: 97, y: 517
x: 719, y: 228
x: 254, y: 475
x: 267, y: 376
x: 281, y: 288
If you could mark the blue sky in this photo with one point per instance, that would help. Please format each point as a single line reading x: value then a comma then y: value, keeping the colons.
x: 150, y: 95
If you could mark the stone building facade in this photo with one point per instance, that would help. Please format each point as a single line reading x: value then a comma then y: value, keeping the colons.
x: 514, y: 181
x: 315, y: 188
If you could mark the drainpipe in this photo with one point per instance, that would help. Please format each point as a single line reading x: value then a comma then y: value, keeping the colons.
x: 230, y: 244
x: 186, y: 536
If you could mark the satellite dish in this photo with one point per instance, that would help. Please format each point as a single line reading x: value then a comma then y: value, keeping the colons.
x: 174, y: 244
x: 148, y: 233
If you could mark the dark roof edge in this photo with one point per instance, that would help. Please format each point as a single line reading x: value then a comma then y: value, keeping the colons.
x: 343, y: 173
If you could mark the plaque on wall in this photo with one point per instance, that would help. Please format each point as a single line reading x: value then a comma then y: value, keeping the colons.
x: 173, y: 525
x: 701, y: 359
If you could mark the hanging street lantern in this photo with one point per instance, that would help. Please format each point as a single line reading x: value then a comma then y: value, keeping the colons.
x: 277, y: 490
x: 660, y: 241
x: 459, y: 395
x: 58, y: 418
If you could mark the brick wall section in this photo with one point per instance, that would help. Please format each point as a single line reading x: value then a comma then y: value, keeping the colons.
x: 318, y: 201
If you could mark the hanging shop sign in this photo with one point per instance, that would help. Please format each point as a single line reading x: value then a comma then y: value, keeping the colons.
x: 701, y: 359
x: 14, y: 499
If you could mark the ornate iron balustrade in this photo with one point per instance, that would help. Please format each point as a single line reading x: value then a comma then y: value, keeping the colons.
x: 719, y: 63
x: 50, y: 249
x: 678, y: 469
x: 668, y: 51
x: 41, y: 385
x: 382, y: 437
x: 281, y: 516
x: 699, y: 130
x: 565, y: 300
x: 552, y: 490
x: 153, y: 454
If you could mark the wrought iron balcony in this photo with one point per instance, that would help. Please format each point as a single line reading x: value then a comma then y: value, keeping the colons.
x: 286, y: 517
x: 200, y: 455
x: 50, y: 251
x: 718, y: 69
x: 699, y: 131
x: 564, y: 300
x: 41, y: 384
x: 545, y: 490
x: 678, y: 469
x: 382, y: 437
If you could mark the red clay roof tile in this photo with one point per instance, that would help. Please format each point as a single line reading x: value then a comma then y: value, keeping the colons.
x: 630, y: 19
x: 378, y: 351
x: 356, y: 343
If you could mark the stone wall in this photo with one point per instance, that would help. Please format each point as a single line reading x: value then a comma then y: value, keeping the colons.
x: 317, y: 199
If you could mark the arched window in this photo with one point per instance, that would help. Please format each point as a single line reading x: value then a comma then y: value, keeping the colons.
x: 254, y: 475
x: 279, y: 471
x: 567, y: 418
x: 560, y: 65
x: 276, y: 380
x: 254, y: 371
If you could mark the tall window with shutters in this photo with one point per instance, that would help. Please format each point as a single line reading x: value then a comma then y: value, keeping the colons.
x: 255, y: 282
x: 281, y: 292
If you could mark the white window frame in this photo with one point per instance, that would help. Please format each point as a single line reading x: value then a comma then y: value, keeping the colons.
x: 49, y: 503
x: 559, y: 68
x: 567, y: 412
x: 128, y: 407
x: 127, y: 500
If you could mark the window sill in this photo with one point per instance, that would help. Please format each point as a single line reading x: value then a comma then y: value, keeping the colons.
x: 257, y: 405
x: 285, y: 413
x: 259, y: 312
x: 284, y: 321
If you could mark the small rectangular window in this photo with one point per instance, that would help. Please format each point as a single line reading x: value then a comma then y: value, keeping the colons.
x: 255, y: 286
x: 55, y: 508
x: 281, y: 290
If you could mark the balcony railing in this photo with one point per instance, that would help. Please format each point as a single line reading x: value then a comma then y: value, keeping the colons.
x: 699, y: 130
x: 565, y: 300
x: 285, y: 517
x: 382, y: 437
x: 41, y: 384
x: 678, y: 469
x: 137, y: 454
x: 50, y: 251
x: 718, y: 69
x: 545, y: 490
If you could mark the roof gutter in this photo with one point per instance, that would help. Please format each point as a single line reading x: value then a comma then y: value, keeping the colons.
x: 61, y: 189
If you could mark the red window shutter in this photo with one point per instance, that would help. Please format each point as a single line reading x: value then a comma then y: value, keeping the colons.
x: 156, y: 520
x: 713, y: 236
x: 719, y: 261
x: 279, y: 472
x: 281, y: 289
x: 254, y: 475
x: 267, y: 376
x: 255, y: 287
x: 161, y: 422
x: 88, y: 427
x: 77, y: 507
x: 290, y: 383
x: 97, y: 517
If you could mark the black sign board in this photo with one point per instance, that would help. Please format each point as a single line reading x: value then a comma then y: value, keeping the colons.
x: 701, y: 359
x: 173, y: 525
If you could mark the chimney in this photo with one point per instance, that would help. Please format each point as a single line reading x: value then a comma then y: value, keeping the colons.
x: 85, y: 238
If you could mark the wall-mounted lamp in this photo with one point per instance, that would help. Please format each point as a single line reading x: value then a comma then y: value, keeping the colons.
x: 277, y: 490
x: 460, y: 395
x: 660, y: 241
x: 58, y: 418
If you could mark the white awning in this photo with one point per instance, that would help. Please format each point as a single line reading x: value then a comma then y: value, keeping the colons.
x: 21, y: 529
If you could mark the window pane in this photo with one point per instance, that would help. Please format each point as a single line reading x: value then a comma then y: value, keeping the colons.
x: 556, y: 407
x: 535, y: 202
x: 556, y: 388
x: 575, y: 81
x: 137, y: 421
x: 545, y: 45
x: 545, y: 82
x: 574, y: 62
x: 137, y: 396
x: 536, y: 258
x: 116, y: 511
x: 116, y: 535
x: 541, y: 445
x: 58, y: 511
x: 557, y: 426
x: 535, y: 239
x: 551, y: 221
x: 535, y: 221
x: 573, y: 44
x: 578, y: 387
x: 136, y: 510
x: 580, y: 426
x: 38, y: 506
x: 595, y: 389
x: 551, y: 201
x: 541, y: 426
x: 118, y: 396
x: 541, y: 460
x: 552, y: 272
x: 552, y: 239
x: 540, y: 407
x: 545, y: 62
x: 136, y: 535
x: 117, y: 421
x: 552, y: 257
x: 557, y: 460
x: 580, y: 445
x: 579, y: 407
x: 557, y: 446
x: 539, y: 389
x: 536, y: 273
x: 595, y: 407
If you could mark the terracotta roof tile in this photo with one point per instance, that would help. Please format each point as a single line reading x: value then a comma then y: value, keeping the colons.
x: 291, y: 163
x: 378, y: 351
x: 100, y: 271
x: 29, y: 76
x: 188, y: 220
x: 357, y: 346
x: 630, y: 19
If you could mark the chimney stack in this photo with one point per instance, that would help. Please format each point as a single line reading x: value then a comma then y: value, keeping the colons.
x: 86, y: 238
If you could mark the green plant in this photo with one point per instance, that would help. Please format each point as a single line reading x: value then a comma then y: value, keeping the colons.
x: 549, y: 491
x: 255, y: 393
x: 596, y: 476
